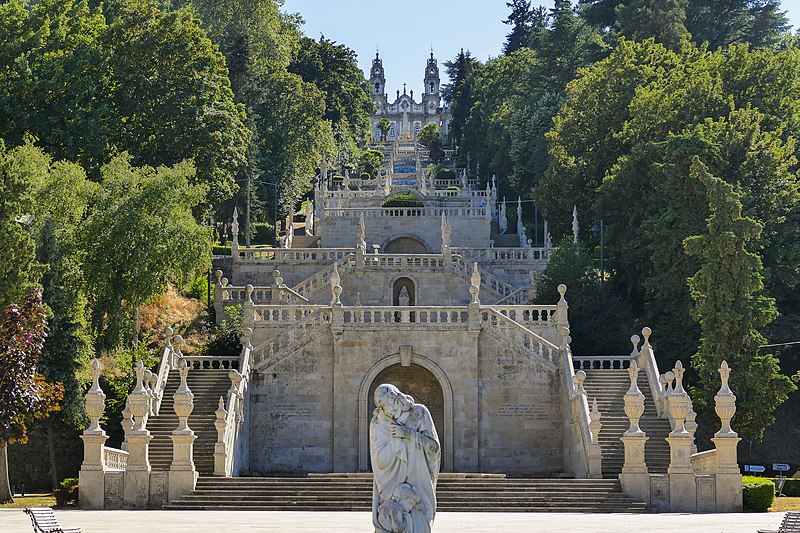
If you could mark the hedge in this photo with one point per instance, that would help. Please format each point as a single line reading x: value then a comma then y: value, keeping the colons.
x: 445, y: 173
x: 758, y: 493
x: 453, y: 188
x: 403, y: 200
x: 791, y: 487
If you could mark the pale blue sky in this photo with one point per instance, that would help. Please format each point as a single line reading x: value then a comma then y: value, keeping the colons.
x: 404, y: 31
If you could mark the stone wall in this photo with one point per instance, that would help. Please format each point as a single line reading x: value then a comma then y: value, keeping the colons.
x: 310, y: 411
x: 29, y: 464
x: 521, y: 423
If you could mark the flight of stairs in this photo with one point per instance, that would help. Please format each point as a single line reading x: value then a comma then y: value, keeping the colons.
x: 609, y: 387
x: 207, y: 385
x: 340, y: 493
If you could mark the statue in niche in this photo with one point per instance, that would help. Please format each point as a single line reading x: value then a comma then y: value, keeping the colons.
x: 405, y: 453
x: 403, y: 299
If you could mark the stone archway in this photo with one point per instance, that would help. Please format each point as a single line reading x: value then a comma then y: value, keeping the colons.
x: 405, y: 244
x: 422, y: 379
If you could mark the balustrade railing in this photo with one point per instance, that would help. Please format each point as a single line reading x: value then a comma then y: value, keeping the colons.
x: 589, y: 362
x: 391, y: 212
x: 199, y: 362
x: 114, y: 459
x: 535, y: 316
x: 519, y: 335
x: 312, y: 323
x: 499, y: 287
x: 368, y: 316
x: 521, y: 296
x: 283, y: 314
x: 528, y: 256
x: 322, y: 278
x: 294, y: 255
x: 231, y: 295
x: 579, y: 408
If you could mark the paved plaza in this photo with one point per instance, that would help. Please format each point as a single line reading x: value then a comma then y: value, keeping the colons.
x: 13, y: 521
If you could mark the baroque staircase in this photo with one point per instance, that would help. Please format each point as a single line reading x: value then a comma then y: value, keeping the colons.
x: 353, y: 492
x: 608, y: 386
x: 207, y: 385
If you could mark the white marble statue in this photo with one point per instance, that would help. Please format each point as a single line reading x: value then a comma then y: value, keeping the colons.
x: 405, y: 453
x: 404, y: 299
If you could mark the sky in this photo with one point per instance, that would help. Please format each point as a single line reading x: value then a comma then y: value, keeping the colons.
x: 405, y: 31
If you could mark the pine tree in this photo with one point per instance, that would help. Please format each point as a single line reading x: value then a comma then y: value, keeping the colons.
x: 462, y: 72
x: 732, y: 310
x: 662, y: 20
x: 722, y: 23
x: 521, y: 21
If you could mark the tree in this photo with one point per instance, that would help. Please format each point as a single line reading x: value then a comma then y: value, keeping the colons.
x: 732, y: 310
x: 431, y: 139
x: 662, y: 20
x: 521, y: 19
x: 24, y: 394
x: 600, y: 322
x: 370, y: 161
x: 462, y: 71
x: 333, y: 69
x: 61, y: 194
x: 140, y: 235
x: 172, y: 96
x: 19, y: 269
x: 384, y: 125
x: 722, y: 23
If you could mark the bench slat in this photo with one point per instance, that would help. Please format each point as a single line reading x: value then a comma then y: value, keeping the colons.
x: 43, y: 519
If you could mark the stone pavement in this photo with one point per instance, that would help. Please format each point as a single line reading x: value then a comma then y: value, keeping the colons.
x: 13, y: 521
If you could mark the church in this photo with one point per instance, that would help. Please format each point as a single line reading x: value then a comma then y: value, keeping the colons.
x: 405, y: 114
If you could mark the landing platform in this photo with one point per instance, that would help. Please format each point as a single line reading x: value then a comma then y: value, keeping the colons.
x: 442, y: 475
x: 15, y: 521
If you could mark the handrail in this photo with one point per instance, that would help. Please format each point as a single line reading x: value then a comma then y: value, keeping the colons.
x: 521, y: 335
x: 536, y: 315
x: 647, y: 362
x: 500, y: 287
x: 579, y: 407
x: 588, y: 362
x: 294, y: 333
x: 520, y: 296
x: 167, y: 361
x: 283, y: 314
x: 323, y: 276
x: 114, y: 459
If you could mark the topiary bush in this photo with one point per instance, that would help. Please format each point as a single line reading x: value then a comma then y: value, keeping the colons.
x: 453, y: 188
x: 403, y: 200
x: 758, y: 493
x: 364, y: 176
x: 263, y: 233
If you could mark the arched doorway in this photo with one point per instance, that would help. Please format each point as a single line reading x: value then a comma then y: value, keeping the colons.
x: 422, y: 385
x: 405, y: 245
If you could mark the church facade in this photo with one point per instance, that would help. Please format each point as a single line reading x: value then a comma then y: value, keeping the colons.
x: 405, y: 114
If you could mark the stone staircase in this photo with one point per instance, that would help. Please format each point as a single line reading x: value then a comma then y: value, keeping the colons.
x: 454, y: 493
x: 609, y: 386
x: 207, y: 385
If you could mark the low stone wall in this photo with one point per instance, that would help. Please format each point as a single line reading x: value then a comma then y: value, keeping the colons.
x: 29, y: 464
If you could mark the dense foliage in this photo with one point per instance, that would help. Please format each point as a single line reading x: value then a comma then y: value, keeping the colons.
x: 758, y: 493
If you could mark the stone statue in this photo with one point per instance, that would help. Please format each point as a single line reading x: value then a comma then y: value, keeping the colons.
x: 405, y: 453
x: 403, y: 299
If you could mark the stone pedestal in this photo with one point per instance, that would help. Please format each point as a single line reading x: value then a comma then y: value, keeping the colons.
x: 136, y: 483
x: 634, y: 477
x: 182, y: 474
x: 91, y: 478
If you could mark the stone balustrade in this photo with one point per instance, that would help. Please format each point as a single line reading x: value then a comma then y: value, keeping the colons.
x: 294, y: 255
x: 377, y: 316
x: 266, y: 315
x: 588, y: 362
x: 199, y: 362
x: 516, y: 256
x: 115, y: 459
x: 529, y: 315
x: 392, y: 212
x: 519, y: 335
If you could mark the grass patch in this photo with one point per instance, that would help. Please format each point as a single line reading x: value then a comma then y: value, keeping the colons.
x: 34, y: 500
x: 781, y: 505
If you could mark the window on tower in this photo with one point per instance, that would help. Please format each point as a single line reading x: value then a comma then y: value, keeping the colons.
x: 377, y: 88
x: 433, y: 88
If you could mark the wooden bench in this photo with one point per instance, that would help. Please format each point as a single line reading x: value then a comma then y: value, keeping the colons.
x: 790, y: 524
x: 44, y: 521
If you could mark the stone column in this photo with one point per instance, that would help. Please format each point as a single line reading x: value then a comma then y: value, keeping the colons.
x: 248, y: 309
x: 728, y: 476
x: 474, y: 308
x: 634, y: 477
x: 682, y: 486
x: 219, y: 298
x: 235, y: 235
x: 91, y: 479
x: 136, y: 480
x: 182, y: 473
x: 337, y: 314
x: 220, y: 452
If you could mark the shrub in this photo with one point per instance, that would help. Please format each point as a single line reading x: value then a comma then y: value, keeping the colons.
x: 221, y: 250
x: 225, y: 340
x: 263, y: 233
x: 364, y: 176
x: 198, y: 287
x: 791, y: 487
x: 403, y: 200
x: 67, y: 492
x: 758, y: 493
x: 453, y: 188
x: 338, y: 178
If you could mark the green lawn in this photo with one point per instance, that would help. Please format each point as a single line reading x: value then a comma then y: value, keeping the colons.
x: 31, y: 500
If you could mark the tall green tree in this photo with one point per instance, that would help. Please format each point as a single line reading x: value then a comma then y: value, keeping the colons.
x: 25, y: 395
x: 733, y: 311
x: 522, y: 20
x: 19, y: 269
x: 140, y: 236
x: 722, y: 23
x: 463, y: 72
x: 662, y: 20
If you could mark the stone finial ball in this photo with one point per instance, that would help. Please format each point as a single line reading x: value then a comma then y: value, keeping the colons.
x: 581, y: 375
x: 169, y: 331
x: 178, y: 340
x: 562, y: 289
x: 635, y: 339
x: 564, y: 332
x: 646, y: 332
x: 247, y: 332
x: 670, y: 375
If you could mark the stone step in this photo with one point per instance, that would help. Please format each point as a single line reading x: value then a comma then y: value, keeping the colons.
x: 469, y: 494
